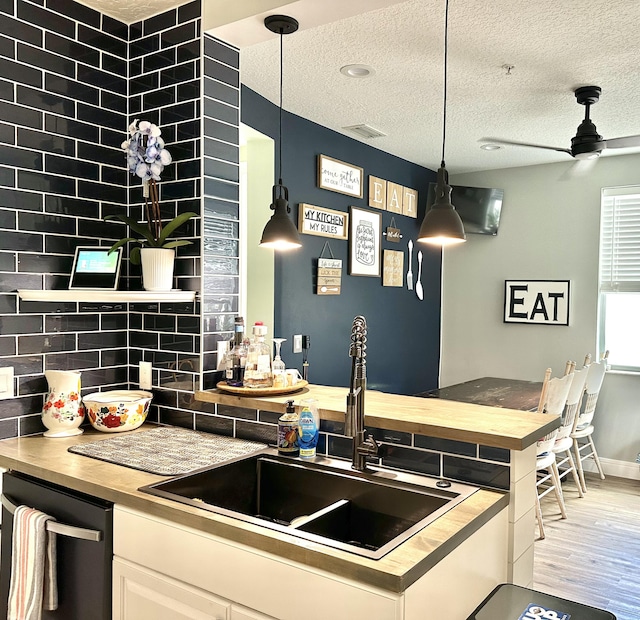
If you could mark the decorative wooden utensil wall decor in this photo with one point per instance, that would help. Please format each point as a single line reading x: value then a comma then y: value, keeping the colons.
x: 338, y: 176
x: 329, y: 278
x: 364, y: 243
x: 322, y: 222
x: 392, y: 233
x: 393, y: 267
x: 393, y: 197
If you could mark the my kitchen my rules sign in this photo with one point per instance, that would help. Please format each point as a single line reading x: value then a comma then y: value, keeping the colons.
x: 322, y: 222
x: 542, y: 302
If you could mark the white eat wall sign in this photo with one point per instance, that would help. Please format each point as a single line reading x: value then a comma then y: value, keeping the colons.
x: 542, y: 302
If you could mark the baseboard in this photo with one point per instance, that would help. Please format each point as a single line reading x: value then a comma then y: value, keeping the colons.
x: 611, y: 467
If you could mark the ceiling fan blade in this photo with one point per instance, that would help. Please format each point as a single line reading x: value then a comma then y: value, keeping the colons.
x: 528, y: 144
x: 621, y: 143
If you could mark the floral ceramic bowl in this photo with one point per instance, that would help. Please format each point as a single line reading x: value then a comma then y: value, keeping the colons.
x: 117, y: 410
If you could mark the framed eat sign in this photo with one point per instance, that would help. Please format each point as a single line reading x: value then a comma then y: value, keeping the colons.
x: 542, y: 302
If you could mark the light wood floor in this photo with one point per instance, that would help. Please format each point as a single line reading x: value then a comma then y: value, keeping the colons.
x: 593, y: 557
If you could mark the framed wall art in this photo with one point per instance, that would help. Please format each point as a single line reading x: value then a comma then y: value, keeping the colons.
x: 338, y: 176
x: 541, y: 302
x: 364, y: 242
x: 323, y: 222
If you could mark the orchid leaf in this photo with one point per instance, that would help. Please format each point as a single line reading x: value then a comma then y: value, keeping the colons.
x: 176, y: 244
x: 175, y: 223
x: 134, y: 255
x: 134, y: 225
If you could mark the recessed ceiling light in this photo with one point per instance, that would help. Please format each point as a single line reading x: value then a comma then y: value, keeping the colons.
x: 357, y: 71
x: 490, y: 147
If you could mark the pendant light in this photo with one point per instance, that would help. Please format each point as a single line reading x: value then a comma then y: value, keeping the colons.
x: 442, y: 224
x: 280, y: 233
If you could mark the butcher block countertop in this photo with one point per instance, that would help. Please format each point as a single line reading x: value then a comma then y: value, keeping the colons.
x: 434, y: 417
x: 49, y: 460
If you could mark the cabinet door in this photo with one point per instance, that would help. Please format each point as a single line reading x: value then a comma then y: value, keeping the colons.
x: 142, y: 594
x: 242, y: 613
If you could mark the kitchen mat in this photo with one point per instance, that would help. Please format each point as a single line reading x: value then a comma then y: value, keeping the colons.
x: 167, y: 451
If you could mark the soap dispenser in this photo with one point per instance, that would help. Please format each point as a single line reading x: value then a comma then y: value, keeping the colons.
x: 288, y: 431
x: 308, y: 428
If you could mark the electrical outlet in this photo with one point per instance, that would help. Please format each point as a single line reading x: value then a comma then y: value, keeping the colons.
x: 297, y: 343
x: 7, y: 389
x: 145, y: 375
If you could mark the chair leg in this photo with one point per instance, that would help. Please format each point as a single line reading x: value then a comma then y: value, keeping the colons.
x: 578, y: 460
x: 557, y: 489
x: 539, y: 516
x: 594, y: 453
x: 574, y: 473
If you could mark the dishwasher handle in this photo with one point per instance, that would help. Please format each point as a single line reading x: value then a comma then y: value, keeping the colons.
x: 59, y: 528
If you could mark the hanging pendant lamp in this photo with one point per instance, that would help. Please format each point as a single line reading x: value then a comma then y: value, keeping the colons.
x: 442, y: 224
x: 280, y: 233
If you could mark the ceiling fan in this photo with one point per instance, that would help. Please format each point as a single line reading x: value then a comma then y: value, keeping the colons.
x: 587, y: 143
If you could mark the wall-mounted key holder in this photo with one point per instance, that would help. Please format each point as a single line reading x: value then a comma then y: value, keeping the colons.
x: 329, y: 280
x: 392, y: 233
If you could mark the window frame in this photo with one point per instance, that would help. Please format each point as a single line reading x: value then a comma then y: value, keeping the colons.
x: 613, y: 286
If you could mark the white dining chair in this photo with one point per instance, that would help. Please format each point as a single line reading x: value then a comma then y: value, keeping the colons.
x: 552, y: 401
x: 582, y: 432
x: 563, y: 444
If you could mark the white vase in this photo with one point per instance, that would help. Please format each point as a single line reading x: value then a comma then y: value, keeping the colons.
x: 157, y: 268
x: 63, y: 411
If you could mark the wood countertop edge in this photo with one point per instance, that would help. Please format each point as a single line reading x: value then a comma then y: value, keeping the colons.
x: 490, y: 426
x: 118, y: 484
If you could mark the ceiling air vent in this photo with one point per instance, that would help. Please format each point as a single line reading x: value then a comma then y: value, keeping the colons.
x: 365, y: 131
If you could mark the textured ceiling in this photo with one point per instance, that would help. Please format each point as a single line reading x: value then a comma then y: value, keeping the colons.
x: 555, y: 46
x: 130, y: 11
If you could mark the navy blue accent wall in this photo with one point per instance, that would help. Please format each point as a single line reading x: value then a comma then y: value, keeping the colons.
x: 403, y: 352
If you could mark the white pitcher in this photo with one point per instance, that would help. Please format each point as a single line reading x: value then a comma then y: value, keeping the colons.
x: 63, y: 411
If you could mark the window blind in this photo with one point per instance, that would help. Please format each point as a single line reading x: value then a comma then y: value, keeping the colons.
x: 620, y: 240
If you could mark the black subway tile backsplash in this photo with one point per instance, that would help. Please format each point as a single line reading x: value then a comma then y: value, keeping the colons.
x: 18, y: 115
x: 20, y: 73
x: 21, y: 31
x: 72, y: 49
x: 476, y: 472
x: 46, y: 19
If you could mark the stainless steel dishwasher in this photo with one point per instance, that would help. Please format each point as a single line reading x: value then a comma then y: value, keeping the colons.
x: 84, y: 527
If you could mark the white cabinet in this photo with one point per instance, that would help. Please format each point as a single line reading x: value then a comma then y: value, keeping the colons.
x: 165, y: 571
x: 142, y: 594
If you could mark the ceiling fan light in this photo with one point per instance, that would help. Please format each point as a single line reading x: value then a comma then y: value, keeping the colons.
x: 591, y: 155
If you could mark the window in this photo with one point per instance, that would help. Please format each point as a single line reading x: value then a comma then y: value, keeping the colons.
x: 619, y: 304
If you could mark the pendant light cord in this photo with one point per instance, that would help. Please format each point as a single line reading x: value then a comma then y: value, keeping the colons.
x: 444, y: 99
x: 280, y: 127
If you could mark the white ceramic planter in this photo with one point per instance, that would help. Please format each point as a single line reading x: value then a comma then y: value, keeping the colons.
x: 157, y: 268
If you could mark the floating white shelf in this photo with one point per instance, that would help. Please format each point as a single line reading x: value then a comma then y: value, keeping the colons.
x: 106, y: 296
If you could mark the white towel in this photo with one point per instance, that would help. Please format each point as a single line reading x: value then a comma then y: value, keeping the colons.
x: 33, y: 584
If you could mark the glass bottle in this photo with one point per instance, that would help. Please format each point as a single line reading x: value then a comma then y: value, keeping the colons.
x: 257, y: 372
x: 237, y: 356
x: 278, y: 369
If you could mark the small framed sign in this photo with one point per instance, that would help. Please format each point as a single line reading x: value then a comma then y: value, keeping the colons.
x: 338, y: 176
x: 364, y: 242
x: 322, y: 222
x: 541, y: 302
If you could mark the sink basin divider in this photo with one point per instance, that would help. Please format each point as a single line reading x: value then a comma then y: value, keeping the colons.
x: 303, y: 520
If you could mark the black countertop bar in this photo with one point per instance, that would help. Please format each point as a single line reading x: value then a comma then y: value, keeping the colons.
x: 492, y: 391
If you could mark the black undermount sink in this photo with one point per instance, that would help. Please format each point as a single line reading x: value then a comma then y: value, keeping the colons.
x: 324, y: 501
